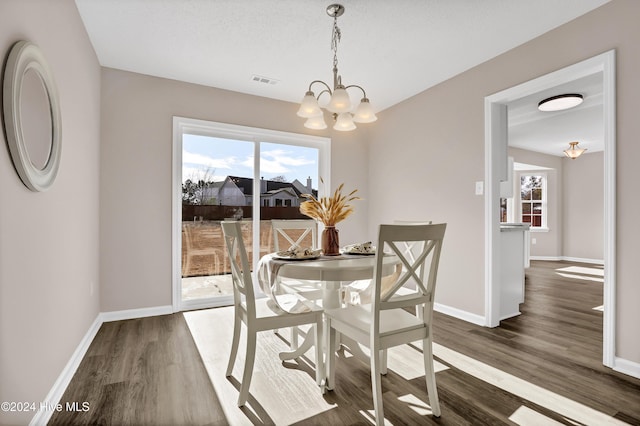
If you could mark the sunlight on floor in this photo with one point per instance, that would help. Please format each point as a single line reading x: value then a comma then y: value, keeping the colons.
x: 552, y: 401
x: 525, y: 416
x: 280, y: 407
x: 582, y: 273
x: 599, y: 308
x: 410, y: 365
x: 416, y: 404
x: 583, y: 270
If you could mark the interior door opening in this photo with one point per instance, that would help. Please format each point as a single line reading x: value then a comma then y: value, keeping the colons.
x: 496, y: 160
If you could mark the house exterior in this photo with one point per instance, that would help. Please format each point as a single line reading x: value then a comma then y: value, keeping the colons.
x: 90, y: 261
x: 238, y: 191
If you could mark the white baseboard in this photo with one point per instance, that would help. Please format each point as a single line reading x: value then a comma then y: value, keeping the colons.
x: 43, y: 416
x: 55, y: 394
x: 460, y: 314
x: 627, y: 367
x: 547, y: 258
x: 583, y: 260
x: 568, y: 259
x: 136, y: 313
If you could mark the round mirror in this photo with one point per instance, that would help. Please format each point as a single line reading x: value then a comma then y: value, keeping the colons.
x: 31, y: 116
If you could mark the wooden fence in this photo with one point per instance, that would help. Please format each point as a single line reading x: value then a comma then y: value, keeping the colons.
x: 204, y: 252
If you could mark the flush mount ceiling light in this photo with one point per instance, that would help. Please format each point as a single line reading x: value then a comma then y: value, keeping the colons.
x: 574, y: 151
x: 560, y: 102
x: 339, y: 101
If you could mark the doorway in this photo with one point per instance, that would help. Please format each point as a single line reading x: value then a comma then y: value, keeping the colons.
x: 496, y: 171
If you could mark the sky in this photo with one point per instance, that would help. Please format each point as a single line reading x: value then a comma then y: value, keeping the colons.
x: 217, y: 158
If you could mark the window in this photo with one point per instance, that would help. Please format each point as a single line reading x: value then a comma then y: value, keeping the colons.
x: 223, y: 172
x: 533, y: 200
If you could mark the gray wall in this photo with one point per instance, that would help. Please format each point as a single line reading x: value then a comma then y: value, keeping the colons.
x: 442, y: 129
x: 583, y: 200
x: 49, y: 263
x: 575, y: 205
x: 135, y: 175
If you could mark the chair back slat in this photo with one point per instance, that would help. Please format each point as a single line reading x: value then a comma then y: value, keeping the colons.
x: 392, y: 239
x: 240, y: 268
x: 289, y: 229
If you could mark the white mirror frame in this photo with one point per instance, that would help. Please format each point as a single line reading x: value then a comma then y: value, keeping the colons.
x: 25, y: 56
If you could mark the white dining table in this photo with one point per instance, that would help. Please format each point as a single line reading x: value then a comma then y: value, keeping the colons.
x: 331, y: 271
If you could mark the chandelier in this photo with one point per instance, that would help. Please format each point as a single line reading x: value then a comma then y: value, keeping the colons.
x: 339, y: 102
x: 574, y: 151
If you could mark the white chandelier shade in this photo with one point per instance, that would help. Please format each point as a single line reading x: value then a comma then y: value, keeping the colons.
x: 343, y: 112
x: 309, y: 106
x: 316, y: 123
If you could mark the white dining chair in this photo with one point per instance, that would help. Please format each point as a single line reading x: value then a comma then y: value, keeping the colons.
x: 359, y: 292
x: 259, y: 314
x: 295, y: 232
x: 385, y: 323
x: 301, y: 233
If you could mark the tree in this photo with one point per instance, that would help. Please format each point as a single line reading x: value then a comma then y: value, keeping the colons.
x: 280, y: 178
x: 198, y: 189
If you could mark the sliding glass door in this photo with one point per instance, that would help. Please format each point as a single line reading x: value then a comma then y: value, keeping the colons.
x: 222, y: 173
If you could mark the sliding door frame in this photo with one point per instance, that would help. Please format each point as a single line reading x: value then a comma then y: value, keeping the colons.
x: 183, y: 125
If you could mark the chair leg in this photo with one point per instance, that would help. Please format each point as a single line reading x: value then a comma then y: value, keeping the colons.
x: 237, y: 324
x: 248, y: 367
x: 320, y: 371
x: 295, y: 332
x: 383, y: 362
x: 430, y: 376
x: 376, y: 385
x: 331, y: 355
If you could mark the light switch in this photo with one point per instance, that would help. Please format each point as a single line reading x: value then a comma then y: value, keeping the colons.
x: 479, y: 188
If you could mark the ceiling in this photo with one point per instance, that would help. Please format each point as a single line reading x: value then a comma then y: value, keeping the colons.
x: 551, y: 132
x: 394, y: 50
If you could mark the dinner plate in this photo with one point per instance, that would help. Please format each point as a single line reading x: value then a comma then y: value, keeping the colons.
x: 309, y: 257
x: 369, y: 253
x: 349, y: 250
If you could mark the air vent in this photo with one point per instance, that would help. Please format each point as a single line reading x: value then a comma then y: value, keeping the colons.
x: 265, y: 80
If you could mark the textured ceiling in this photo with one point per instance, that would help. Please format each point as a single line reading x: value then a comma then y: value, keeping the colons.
x: 394, y: 49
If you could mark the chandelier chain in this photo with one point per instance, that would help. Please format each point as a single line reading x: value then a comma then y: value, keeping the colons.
x: 339, y: 105
x: 335, y: 40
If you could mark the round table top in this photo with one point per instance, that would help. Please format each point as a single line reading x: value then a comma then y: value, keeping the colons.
x: 335, y: 268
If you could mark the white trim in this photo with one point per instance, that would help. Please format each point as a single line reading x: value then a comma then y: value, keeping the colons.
x: 547, y: 258
x: 54, y: 396
x: 135, y: 313
x: 583, y: 260
x: 604, y: 63
x: 57, y: 390
x: 459, y: 313
x: 568, y: 259
x: 625, y: 366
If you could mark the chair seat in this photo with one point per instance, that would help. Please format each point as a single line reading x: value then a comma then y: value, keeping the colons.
x: 269, y: 316
x: 391, y: 321
x: 311, y: 290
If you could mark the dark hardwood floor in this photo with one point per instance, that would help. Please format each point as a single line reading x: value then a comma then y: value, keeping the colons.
x: 541, y: 367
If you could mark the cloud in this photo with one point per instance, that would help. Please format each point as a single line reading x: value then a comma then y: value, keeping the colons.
x: 278, y: 161
x: 204, y: 160
x: 283, y: 157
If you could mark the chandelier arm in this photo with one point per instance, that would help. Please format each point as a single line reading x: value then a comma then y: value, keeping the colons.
x: 364, y: 94
x: 321, y: 82
x: 324, y: 91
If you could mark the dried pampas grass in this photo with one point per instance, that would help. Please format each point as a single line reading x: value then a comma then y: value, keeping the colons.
x: 329, y: 210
